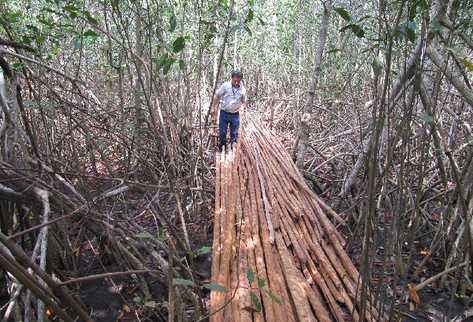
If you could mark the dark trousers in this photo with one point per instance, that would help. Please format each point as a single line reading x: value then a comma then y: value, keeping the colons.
x: 228, y: 119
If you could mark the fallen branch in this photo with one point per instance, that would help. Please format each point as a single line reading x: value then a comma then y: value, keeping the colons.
x: 420, y: 286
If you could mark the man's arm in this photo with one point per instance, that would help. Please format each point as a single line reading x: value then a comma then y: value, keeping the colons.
x: 243, y: 106
x: 216, y: 101
x: 214, y: 108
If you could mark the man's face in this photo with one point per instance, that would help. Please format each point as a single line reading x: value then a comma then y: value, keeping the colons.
x: 236, y: 81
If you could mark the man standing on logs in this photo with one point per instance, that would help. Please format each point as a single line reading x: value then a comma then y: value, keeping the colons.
x: 232, y: 98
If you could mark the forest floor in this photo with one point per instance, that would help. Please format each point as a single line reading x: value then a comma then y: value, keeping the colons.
x: 436, y: 304
x: 117, y: 301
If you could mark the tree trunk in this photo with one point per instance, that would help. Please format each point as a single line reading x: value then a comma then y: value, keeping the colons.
x: 305, y: 117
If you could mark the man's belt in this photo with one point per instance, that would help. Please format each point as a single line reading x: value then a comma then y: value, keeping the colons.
x: 236, y: 113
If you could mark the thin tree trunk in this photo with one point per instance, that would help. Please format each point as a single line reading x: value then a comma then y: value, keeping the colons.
x: 305, y: 118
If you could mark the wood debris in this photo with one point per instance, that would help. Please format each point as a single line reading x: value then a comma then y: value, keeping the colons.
x: 275, y: 250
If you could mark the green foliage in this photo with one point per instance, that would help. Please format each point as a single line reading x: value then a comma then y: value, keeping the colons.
x: 261, y: 282
x: 353, y: 25
x: 261, y: 288
x: 17, y: 66
x: 172, y: 23
x: 343, y: 13
x: 355, y: 28
x: 165, y: 63
x: 416, y: 6
x: 250, y: 275
x: 215, y: 287
x: 250, y: 16
x: 90, y: 34
x: 256, y: 302
x: 274, y: 297
x: 468, y: 64
x: 183, y: 282
x: 407, y: 30
x: 426, y: 118
x: 204, y: 250
x: 209, y: 286
x: 178, y: 44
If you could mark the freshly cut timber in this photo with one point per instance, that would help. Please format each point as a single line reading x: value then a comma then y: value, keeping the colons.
x: 275, y: 250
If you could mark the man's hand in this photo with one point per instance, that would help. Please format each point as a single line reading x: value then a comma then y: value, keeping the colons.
x: 243, y: 107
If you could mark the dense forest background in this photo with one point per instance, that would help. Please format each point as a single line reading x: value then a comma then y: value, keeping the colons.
x: 107, y: 145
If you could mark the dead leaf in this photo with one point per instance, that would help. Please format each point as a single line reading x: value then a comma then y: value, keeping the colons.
x: 425, y: 252
x: 126, y: 308
x: 49, y: 312
x: 413, y: 296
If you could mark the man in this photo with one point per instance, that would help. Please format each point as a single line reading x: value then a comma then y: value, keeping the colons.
x: 232, y: 99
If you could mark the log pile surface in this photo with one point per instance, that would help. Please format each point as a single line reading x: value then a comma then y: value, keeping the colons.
x: 275, y: 249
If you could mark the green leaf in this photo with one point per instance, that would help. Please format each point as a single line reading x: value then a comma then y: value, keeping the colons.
x: 172, y: 23
x: 183, y: 282
x: 162, y: 60
x: 90, y: 35
x: 12, y: 17
x: 167, y: 65
x: 256, y: 302
x: 182, y: 64
x: 72, y: 10
x: 248, y: 30
x: 16, y: 66
x: 90, y: 18
x: 249, y: 16
x: 40, y: 39
x: 376, y: 65
x: 29, y: 103
x: 274, y: 298
x: 468, y: 64
x: 168, y: 11
x: 408, y: 30
x: 261, y: 21
x: 46, y: 22
x: 215, y: 287
x: 114, y: 3
x: 33, y: 28
x: 178, y: 44
x: 77, y: 43
x: 436, y: 25
x: 422, y: 4
x: 334, y: 50
x: 261, y: 282
x: 426, y: 118
x: 343, y: 13
x: 205, y: 249
x: 250, y: 275
x: 356, y: 29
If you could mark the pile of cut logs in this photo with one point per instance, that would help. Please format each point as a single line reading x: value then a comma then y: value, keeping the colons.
x: 275, y: 250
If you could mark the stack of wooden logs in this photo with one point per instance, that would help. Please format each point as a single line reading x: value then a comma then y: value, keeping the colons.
x: 275, y: 250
